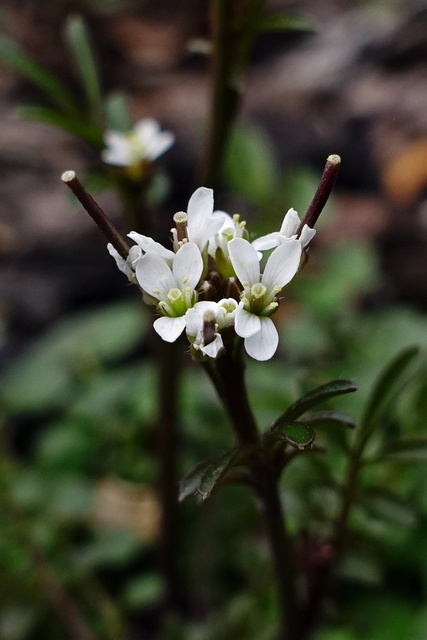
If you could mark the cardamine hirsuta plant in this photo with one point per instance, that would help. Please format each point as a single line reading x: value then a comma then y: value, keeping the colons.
x: 215, y: 285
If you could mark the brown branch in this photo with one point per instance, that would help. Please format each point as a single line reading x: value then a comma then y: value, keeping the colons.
x: 96, y: 213
x: 322, y: 193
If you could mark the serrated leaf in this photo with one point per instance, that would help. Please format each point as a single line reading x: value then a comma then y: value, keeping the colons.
x: 321, y: 418
x: 77, y: 37
x: 313, y: 397
x: 87, y: 132
x: 386, y: 505
x: 388, y: 385
x: 12, y: 56
x: 285, y: 22
x: 408, y: 450
x: 297, y: 434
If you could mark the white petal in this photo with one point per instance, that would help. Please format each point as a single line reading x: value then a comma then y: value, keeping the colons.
x: 199, y: 211
x: 290, y: 223
x: 245, y: 261
x: 213, y: 348
x: 122, y: 159
x: 169, y: 329
x: 307, y: 234
x: 246, y: 324
x: 263, y: 344
x: 147, y: 244
x: 282, y: 265
x: 268, y: 241
x: 154, y: 275
x: 146, y: 129
x: 156, y: 147
x: 120, y: 262
x: 188, y: 265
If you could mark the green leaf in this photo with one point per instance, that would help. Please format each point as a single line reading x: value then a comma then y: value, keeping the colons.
x: 12, y: 56
x: 117, y: 112
x: 390, y: 382
x: 191, y: 481
x: 386, y: 505
x: 285, y: 22
x: 313, y: 397
x: 85, y: 131
x: 207, y: 473
x: 44, y: 376
x: 297, y: 434
x: 250, y: 165
x: 321, y: 418
x: 77, y: 37
x: 408, y: 450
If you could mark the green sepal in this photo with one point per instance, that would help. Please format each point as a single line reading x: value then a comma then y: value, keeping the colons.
x: 297, y: 434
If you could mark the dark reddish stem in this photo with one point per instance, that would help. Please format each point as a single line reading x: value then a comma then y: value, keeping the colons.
x: 322, y: 193
x: 96, y: 213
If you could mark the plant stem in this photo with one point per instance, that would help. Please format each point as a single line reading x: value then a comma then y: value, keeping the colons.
x: 231, y: 388
x: 322, y: 192
x: 169, y: 368
x: 96, y: 213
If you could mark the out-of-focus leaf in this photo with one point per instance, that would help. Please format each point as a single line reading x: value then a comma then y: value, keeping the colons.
x: 109, y: 547
x: 405, y: 450
x: 322, y: 418
x: 296, y: 434
x: 58, y: 94
x: 385, y: 505
x: 117, y: 112
x: 361, y: 568
x: 393, y: 377
x: 77, y: 37
x: 71, y: 498
x: 87, y: 132
x: 216, y: 471
x: 206, y: 474
x: 313, y: 397
x: 144, y: 591
x: 284, y: 22
x: 190, y: 482
x: 42, y: 377
x: 250, y: 166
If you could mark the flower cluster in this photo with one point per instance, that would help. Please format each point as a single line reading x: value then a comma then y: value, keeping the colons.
x: 210, y: 283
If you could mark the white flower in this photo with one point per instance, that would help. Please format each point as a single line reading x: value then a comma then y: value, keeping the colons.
x: 252, y: 321
x: 205, y: 321
x: 173, y: 288
x: 231, y: 228
x: 288, y: 231
x: 126, y: 266
x: 145, y: 141
x: 200, y: 223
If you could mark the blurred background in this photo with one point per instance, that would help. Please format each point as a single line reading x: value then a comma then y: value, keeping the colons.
x: 78, y: 470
